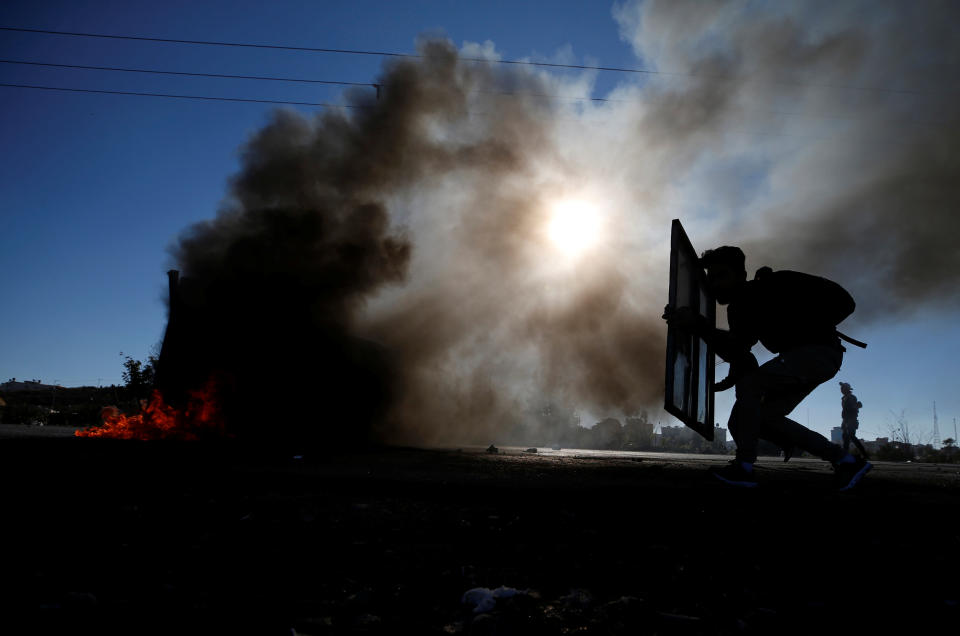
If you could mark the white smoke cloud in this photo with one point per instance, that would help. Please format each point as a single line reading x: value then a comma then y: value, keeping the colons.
x: 822, y: 135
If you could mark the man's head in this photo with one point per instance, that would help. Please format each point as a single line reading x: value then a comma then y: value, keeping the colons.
x: 726, y: 271
x: 845, y: 388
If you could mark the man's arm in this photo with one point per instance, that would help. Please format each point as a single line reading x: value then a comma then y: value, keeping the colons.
x: 732, y: 346
x: 729, y: 345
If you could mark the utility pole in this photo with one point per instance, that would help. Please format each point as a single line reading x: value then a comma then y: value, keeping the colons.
x: 53, y: 396
x: 936, y: 429
x: 904, y: 426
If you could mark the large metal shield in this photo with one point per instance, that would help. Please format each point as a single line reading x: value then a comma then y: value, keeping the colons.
x: 690, y: 360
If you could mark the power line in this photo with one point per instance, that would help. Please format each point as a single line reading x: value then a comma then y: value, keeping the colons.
x: 193, y: 97
x: 587, y: 67
x: 374, y: 85
x: 173, y: 96
x: 196, y: 97
x: 265, y: 78
x: 311, y: 49
x: 289, y: 103
x: 190, y: 74
x: 208, y: 42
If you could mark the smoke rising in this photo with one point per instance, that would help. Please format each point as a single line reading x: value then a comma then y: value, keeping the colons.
x: 389, y: 262
x: 439, y: 189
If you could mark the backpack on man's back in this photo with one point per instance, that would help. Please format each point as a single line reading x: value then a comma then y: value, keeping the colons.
x: 802, y: 304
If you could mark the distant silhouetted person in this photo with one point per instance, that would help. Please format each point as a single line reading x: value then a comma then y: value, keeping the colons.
x: 794, y: 315
x: 850, y: 411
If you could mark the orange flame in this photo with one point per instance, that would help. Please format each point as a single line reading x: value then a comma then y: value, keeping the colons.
x: 158, y: 420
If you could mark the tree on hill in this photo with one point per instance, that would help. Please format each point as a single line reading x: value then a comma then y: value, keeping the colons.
x: 139, y: 376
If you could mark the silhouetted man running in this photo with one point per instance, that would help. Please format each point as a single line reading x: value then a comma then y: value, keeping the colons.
x: 793, y: 315
x: 850, y: 410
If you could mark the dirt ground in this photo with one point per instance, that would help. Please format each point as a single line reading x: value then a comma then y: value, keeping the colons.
x: 137, y: 537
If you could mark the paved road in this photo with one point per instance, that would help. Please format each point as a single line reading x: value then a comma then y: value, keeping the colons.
x: 911, y: 471
x: 8, y: 431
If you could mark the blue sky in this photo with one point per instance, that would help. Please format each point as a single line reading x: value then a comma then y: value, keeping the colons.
x: 95, y: 188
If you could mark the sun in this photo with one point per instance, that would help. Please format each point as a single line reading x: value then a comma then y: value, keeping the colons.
x: 574, y: 226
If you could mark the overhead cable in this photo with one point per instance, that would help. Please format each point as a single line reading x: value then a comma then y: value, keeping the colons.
x: 210, y: 98
x: 311, y: 49
x: 189, y: 74
x: 173, y: 96
x: 587, y: 67
x: 374, y: 85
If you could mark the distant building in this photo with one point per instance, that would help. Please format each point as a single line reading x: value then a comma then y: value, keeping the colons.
x: 875, y: 445
x: 608, y: 433
x: 676, y: 434
x: 719, y: 436
x: 687, y: 439
x: 836, y: 435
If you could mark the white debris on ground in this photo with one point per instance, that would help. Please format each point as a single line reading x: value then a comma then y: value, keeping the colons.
x: 484, y: 599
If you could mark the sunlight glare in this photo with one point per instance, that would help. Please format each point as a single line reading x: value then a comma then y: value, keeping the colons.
x: 574, y: 226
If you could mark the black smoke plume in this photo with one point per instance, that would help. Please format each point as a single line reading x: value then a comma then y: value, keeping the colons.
x: 276, y: 288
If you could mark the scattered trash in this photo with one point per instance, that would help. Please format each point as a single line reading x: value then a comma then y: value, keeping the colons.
x: 483, y: 625
x: 577, y: 598
x: 484, y: 599
x: 309, y: 512
x: 481, y: 598
x: 367, y: 620
x: 507, y: 592
x: 492, y: 449
x: 624, y: 609
x: 677, y: 618
x: 80, y: 600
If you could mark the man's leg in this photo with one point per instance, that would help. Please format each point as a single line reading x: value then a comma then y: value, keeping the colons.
x: 744, y: 428
x: 858, y: 443
x: 846, y: 439
x: 786, y: 388
x: 773, y: 391
x: 803, y: 438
